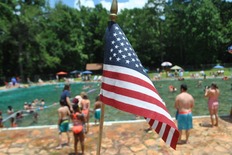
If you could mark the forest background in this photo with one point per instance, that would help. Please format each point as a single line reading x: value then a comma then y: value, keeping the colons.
x: 37, y: 41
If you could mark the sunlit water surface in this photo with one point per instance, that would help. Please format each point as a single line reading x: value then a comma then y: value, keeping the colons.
x: 51, y: 94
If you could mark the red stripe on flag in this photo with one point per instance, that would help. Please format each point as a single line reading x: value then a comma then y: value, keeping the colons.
x: 158, y: 127
x: 151, y: 122
x: 133, y: 94
x: 129, y: 78
x: 174, y: 139
x: 166, y: 131
x: 136, y: 110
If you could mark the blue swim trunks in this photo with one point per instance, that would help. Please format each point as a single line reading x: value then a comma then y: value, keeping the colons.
x: 64, y: 126
x: 185, y: 121
x: 97, y: 114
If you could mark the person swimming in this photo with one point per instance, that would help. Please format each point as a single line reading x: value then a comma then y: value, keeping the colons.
x: 12, y: 122
x: 1, y: 119
x: 10, y: 110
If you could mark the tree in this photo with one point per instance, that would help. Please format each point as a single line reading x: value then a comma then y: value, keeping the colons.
x: 6, y: 13
x: 37, y: 40
x: 144, y: 31
x: 63, y: 45
x: 94, y: 22
x: 194, y: 31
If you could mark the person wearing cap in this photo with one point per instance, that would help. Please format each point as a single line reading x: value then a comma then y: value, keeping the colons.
x: 77, y: 100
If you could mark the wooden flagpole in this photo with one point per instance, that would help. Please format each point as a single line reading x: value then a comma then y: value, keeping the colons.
x: 100, y: 129
x: 113, y: 16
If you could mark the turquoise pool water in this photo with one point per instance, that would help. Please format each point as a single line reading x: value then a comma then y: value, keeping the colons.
x: 51, y: 94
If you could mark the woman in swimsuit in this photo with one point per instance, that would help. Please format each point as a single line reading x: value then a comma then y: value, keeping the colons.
x: 213, y: 93
x: 85, y: 105
x: 78, y: 129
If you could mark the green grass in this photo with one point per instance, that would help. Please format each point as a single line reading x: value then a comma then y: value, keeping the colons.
x: 187, y: 74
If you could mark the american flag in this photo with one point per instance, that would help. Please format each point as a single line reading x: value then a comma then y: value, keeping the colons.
x: 126, y: 86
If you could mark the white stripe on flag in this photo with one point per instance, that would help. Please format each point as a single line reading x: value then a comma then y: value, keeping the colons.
x: 128, y: 71
x: 170, y: 135
x: 132, y: 86
x: 163, y: 128
x: 134, y: 102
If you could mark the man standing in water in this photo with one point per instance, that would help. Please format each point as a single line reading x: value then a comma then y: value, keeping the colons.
x: 63, y: 122
x: 184, y: 103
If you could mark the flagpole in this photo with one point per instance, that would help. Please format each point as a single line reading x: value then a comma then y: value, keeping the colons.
x: 113, y: 16
x: 100, y: 129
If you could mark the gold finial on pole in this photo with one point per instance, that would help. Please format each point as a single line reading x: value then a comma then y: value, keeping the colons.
x: 114, y: 10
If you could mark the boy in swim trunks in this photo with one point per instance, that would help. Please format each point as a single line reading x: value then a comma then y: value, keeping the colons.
x: 184, y: 103
x: 97, y: 109
x: 78, y: 120
x: 63, y: 122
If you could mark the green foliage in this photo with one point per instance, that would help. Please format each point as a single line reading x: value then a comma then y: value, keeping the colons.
x: 195, y: 28
x: 36, y: 39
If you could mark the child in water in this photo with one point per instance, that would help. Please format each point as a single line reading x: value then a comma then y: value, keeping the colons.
x: 12, y: 122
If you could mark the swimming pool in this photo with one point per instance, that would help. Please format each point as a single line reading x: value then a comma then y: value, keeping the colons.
x: 51, y: 94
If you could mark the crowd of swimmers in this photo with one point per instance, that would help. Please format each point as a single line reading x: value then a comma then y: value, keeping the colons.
x: 28, y: 109
x: 72, y: 111
x: 76, y: 111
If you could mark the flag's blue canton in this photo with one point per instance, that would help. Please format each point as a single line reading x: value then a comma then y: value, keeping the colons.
x: 119, y: 51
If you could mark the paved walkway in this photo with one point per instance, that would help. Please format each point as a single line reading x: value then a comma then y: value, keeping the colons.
x: 121, y: 139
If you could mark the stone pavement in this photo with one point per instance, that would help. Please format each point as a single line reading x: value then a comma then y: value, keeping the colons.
x: 121, y: 139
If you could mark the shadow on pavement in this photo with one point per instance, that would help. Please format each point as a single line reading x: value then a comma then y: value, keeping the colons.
x: 204, y: 124
x: 227, y: 118
x: 74, y: 153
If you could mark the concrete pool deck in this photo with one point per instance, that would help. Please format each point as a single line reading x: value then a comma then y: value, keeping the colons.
x: 120, y: 139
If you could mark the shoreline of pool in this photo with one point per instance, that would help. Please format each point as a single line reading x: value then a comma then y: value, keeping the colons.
x: 106, y: 123
x: 55, y: 83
